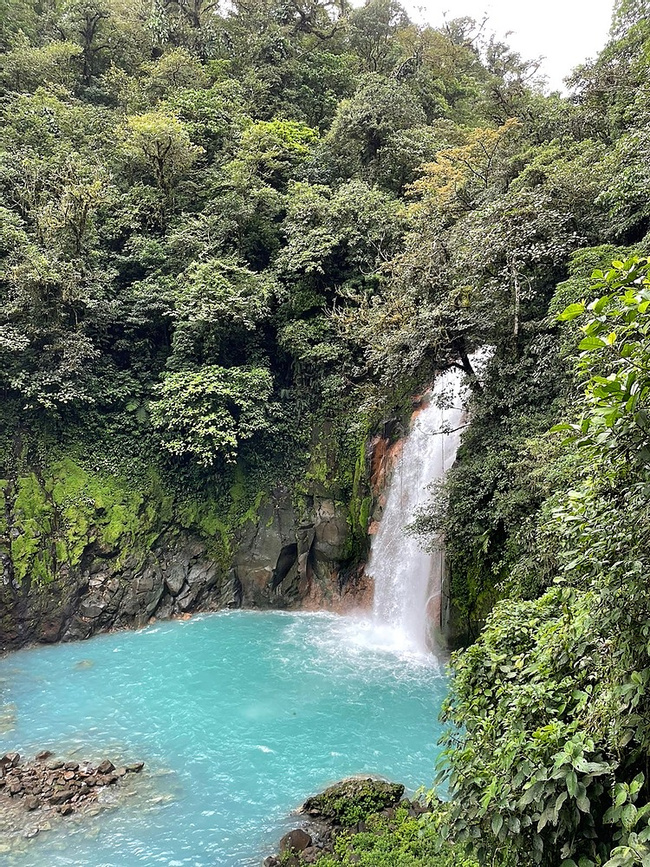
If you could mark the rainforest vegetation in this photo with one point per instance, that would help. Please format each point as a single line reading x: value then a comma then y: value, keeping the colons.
x: 224, y: 230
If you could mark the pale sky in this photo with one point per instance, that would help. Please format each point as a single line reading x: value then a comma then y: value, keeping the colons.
x: 566, y: 32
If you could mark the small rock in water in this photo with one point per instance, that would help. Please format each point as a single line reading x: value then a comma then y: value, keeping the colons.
x: 56, y: 786
x: 9, y: 760
x: 135, y: 768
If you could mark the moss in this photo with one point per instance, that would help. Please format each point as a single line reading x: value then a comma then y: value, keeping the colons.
x: 55, y: 519
x: 34, y: 521
x: 217, y: 518
x: 352, y: 801
x: 206, y: 518
x: 120, y: 504
x: 245, y: 501
x: 359, y: 509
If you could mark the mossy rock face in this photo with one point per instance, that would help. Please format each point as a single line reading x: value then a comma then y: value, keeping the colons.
x: 353, y: 800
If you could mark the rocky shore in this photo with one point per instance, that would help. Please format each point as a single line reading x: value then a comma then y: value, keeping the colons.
x: 343, y: 808
x: 56, y: 786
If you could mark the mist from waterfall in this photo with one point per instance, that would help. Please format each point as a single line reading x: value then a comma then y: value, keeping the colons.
x: 408, y: 580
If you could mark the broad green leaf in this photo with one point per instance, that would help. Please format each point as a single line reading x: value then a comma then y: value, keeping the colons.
x: 571, y: 312
x: 591, y: 342
x: 572, y: 783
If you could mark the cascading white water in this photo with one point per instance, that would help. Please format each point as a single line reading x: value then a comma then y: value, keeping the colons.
x: 408, y: 580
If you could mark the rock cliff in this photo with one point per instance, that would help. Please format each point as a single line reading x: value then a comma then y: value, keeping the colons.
x: 277, y: 556
x: 84, y: 550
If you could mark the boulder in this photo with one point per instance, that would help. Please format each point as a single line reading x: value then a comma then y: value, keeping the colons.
x: 175, y: 576
x: 9, y: 760
x: 352, y: 800
x: 295, y: 841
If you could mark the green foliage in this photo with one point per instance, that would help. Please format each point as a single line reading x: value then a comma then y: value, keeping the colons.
x: 227, y: 231
x: 205, y: 414
x: 616, y: 345
x: 547, y: 757
x: 270, y: 151
x: 159, y: 145
x: 397, y: 841
x: 26, y: 68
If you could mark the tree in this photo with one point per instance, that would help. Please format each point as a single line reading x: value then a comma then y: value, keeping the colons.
x: 25, y: 67
x: 365, y: 124
x: 219, y: 308
x: 205, y: 414
x: 459, y: 176
x: 373, y: 30
x: 158, y: 144
x: 85, y: 22
x: 271, y: 150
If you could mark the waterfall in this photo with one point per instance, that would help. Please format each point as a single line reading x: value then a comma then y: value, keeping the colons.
x: 408, y: 580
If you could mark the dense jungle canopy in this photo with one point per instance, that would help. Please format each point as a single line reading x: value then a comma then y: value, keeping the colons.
x: 224, y: 229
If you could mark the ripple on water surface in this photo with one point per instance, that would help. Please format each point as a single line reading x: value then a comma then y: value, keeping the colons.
x: 238, y: 716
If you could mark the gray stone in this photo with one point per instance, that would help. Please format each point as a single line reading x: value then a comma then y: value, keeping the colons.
x: 175, y: 576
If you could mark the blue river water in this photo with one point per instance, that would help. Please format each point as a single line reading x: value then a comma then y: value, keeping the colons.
x: 239, y: 716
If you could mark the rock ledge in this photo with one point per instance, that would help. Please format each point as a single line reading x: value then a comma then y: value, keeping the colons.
x: 341, y: 808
